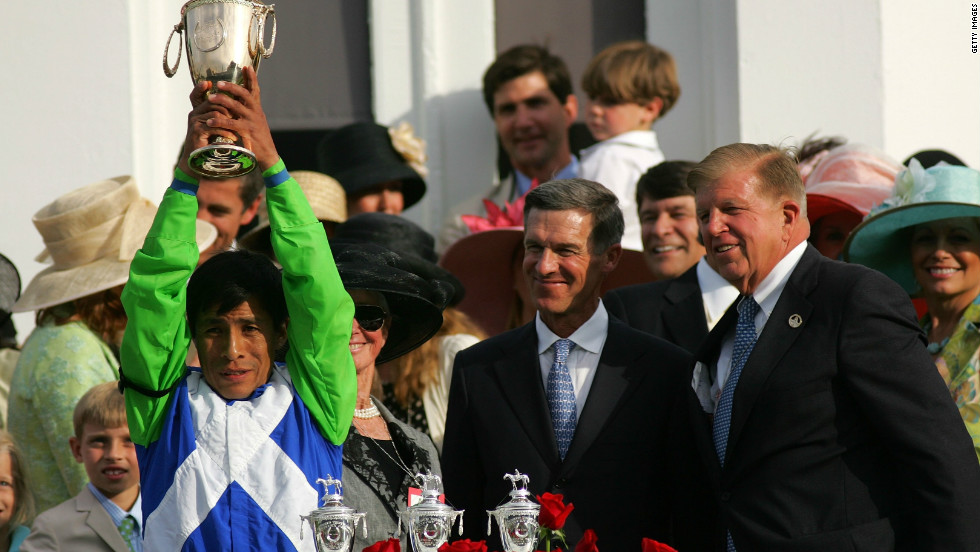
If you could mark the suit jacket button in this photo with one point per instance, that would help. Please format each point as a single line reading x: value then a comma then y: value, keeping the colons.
x: 561, y: 483
x: 726, y: 496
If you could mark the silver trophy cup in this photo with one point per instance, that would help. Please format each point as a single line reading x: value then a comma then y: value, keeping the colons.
x: 222, y: 37
x: 518, y: 518
x: 333, y: 524
x: 430, y: 522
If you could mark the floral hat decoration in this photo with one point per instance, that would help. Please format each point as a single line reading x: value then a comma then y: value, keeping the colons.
x: 882, y: 240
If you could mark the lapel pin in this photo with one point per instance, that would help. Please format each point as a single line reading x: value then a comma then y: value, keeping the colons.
x: 795, y: 321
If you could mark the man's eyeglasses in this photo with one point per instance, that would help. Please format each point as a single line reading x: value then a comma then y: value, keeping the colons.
x: 370, y: 317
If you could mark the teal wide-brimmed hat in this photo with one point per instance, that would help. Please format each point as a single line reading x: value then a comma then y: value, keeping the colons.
x: 882, y: 240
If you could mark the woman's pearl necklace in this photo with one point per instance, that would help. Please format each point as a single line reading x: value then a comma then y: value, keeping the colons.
x: 369, y: 412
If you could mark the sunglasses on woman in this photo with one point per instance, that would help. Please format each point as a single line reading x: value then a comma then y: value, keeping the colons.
x: 370, y: 317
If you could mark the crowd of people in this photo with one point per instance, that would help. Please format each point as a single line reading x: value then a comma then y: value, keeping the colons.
x: 766, y: 349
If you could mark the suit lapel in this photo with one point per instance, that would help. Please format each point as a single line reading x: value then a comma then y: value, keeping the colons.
x: 519, y: 377
x: 100, y: 522
x: 613, y: 378
x: 776, y: 338
x: 701, y: 421
x: 683, y: 316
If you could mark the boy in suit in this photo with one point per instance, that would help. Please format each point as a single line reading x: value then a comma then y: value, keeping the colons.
x: 107, y: 513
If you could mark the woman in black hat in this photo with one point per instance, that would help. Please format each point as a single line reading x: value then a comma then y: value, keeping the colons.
x: 415, y: 387
x: 395, y: 311
x: 380, y: 168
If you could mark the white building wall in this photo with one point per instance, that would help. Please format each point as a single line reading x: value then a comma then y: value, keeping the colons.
x: 77, y: 107
x: 809, y: 67
x: 931, y: 78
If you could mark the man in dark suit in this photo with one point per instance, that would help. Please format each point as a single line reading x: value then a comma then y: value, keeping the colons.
x: 589, y: 421
x: 689, y: 297
x: 819, y: 415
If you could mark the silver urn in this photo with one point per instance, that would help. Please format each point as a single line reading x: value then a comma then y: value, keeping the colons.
x: 333, y: 524
x: 517, y: 518
x: 430, y: 522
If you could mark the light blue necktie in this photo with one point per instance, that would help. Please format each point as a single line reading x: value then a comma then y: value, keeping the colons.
x: 745, y: 338
x: 561, y: 396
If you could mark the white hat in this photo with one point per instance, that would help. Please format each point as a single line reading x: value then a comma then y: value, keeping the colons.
x: 91, y: 235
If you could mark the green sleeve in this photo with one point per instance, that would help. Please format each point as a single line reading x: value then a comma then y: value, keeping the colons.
x: 320, y: 310
x: 155, y: 344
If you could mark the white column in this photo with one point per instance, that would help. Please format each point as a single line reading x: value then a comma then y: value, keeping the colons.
x: 702, y: 38
x: 428, y: 60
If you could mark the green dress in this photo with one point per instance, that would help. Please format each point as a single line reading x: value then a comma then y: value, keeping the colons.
x: 958, y: 364
x: 57, y: 365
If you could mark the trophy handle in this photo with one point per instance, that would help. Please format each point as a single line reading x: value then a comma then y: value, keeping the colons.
x: 167, y: 70
x: 266, y: 51
x: 307, y: 520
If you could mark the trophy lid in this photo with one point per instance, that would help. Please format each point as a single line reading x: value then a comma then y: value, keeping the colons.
x: 431, y: 490
x: 333, y: 503
x: 520, y: 497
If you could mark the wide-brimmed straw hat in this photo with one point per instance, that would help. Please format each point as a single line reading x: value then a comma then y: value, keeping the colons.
x: 921, y: 195
x: 414, y: 302
x: 325, y: 195
x: 409, y: 240
x: 362, y: 155
x: 484, y: 263
x: 850, y: 178
x: 91, y: 235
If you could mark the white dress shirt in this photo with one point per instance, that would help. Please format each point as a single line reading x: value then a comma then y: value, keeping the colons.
x: 583, y: 360
x: 766, y: 295
x: 617, y: 163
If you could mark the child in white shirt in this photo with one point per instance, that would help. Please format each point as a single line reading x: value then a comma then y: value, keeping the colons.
x: 630, y: 85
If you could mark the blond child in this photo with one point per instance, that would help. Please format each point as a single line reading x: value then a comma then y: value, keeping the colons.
x: 630, y: 85
x: 107, y: 513
x: 16, y: 502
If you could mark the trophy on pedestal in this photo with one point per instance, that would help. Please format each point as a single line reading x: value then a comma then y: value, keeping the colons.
x: 222, y: 37
x: 430, y: 522
x: 517, y: 518
x: 333, y: 524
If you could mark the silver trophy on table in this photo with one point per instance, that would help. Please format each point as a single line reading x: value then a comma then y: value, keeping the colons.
x: 517, y: 518
x: 222, y: 37
x: 333, y: 524
x: 430, y: 522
